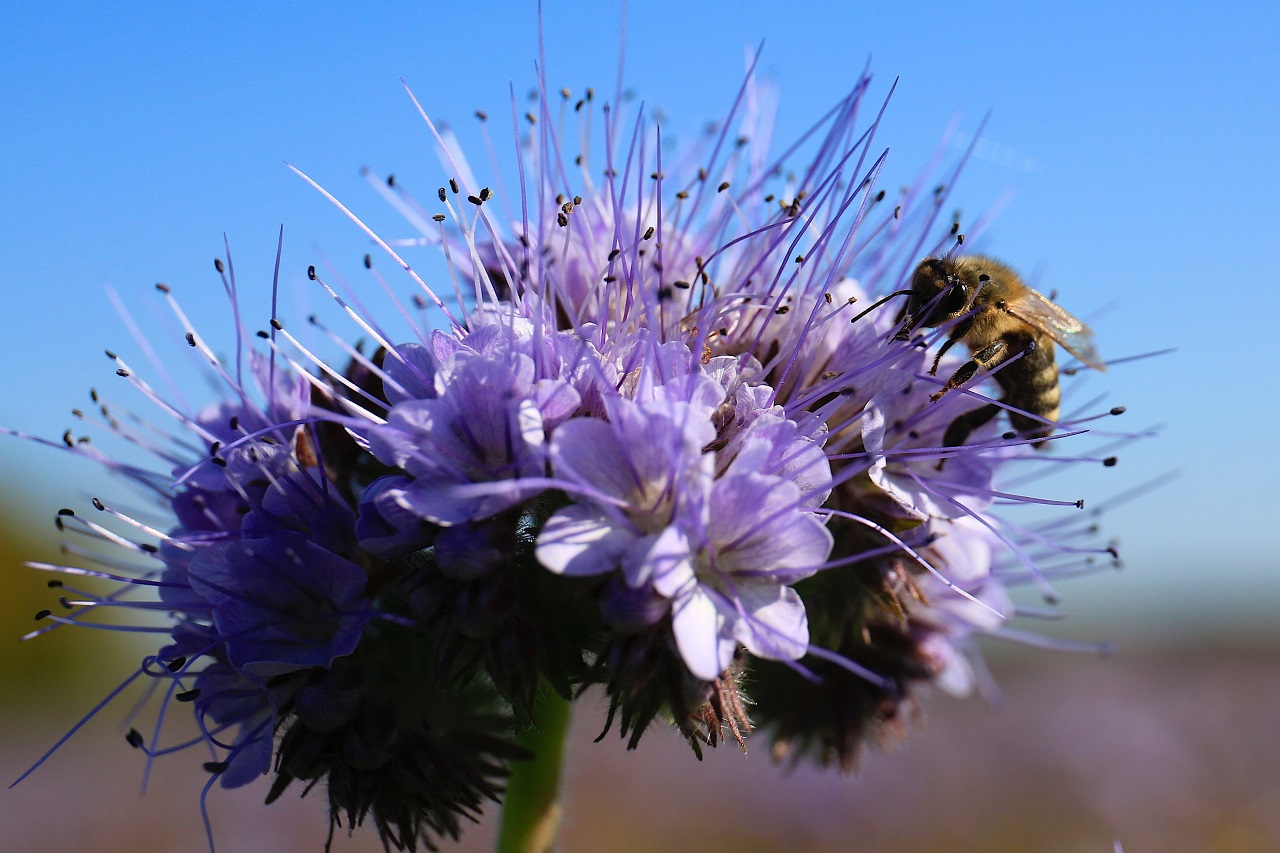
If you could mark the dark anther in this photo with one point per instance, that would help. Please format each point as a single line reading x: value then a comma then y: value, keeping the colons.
x: 57, y: 523
x: 391, y: 180
x: 439, y: 217
x: 482, y: 115
x: 1009, y: 436
x: 664, y: 293
x: 54, y: 584
x: 148, y: 548
x: 187, y: 695
x: 43, y: 614
x: 215, y: 766
x: 65, y: 603
x: 120, y: 371
x: 311, y: 272
x: 217, y: 265
x: 234, y: 423
x: 176, y: 664
x: 134, y: 738
x: 68, y: 440
x: 577, y: 199
x: 214, y: 448
x: 724, y: 186
x: 984, y: 277
x: 682, y: 195
x: 219, y: 461
x: 880, y: 196
x: 162, y: 287
x: 66, y: 512
x: 1080, y: 504
x: 486, y: 194
x: 111, y: 355
x: 614, y: 254
x: 440, y: 193
x: 475, y: 200
x: 1110, y: 461
x: 99, y: 505
x: 276, y: 324
x: 683, y: 285
x: 368, y: 262
x: 783, y: 309
x: 263, y: 334
x: 648, y: 233
x: 191, y: 339
x: 453, y: 185
x: 1118, y: 410
x: 562, y: 220
x: 960, y: 238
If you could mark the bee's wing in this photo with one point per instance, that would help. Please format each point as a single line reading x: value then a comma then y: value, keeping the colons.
x: 1075, y: 336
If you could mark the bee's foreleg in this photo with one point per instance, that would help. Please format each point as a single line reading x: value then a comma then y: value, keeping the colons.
x: 942, y: 350
x: 957, y: 334
x: 984, y: 359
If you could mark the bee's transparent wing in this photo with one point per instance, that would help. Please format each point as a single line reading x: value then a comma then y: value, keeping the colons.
x: 1075, y: 336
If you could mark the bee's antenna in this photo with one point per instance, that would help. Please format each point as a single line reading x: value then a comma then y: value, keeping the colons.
x: 874, y: 305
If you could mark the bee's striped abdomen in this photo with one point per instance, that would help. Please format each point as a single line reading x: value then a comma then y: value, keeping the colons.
x: 1031, y: 384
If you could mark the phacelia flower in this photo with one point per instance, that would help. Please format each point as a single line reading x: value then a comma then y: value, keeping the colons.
x: 673, y: 435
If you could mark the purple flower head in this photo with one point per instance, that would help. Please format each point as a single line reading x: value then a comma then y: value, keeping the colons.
x: 904, y: 435
x: 677, y: 434
x: 283, y: 602
x: 721, y: 547
x: 486, y: 424
x: 385, y: 526
x: 228, y: 698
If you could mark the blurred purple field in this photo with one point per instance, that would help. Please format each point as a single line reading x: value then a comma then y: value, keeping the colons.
x: 1159, y: 750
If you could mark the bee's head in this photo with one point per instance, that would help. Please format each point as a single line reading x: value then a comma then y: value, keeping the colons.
x: 938, y: 293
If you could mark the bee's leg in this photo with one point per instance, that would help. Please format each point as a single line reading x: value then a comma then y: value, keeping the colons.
x: 942, y: 350
x: 983, y: 359
x: 959, y: 430
x: 957, y: 334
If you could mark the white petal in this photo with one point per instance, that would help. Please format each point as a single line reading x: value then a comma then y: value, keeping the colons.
x: 581, y: 540
x: 702, y: 635
x: 777, y: 626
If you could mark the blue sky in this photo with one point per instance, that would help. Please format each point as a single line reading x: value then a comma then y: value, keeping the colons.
x: 1139, y: 142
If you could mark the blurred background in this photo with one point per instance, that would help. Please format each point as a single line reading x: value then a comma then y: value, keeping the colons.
x: 1131, y: 152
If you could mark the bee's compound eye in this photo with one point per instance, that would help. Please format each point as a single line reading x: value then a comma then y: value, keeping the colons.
x: 956, y: 298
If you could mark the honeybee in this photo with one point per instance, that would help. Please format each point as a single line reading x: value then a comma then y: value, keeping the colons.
x: 999, y: 318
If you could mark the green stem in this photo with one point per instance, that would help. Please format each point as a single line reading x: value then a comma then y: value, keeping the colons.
x: 531, y: 809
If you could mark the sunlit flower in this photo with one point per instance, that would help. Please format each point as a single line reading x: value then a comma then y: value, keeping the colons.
x: 670, y: 436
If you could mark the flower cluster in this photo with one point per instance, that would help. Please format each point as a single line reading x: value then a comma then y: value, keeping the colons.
x: 671, y: 437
